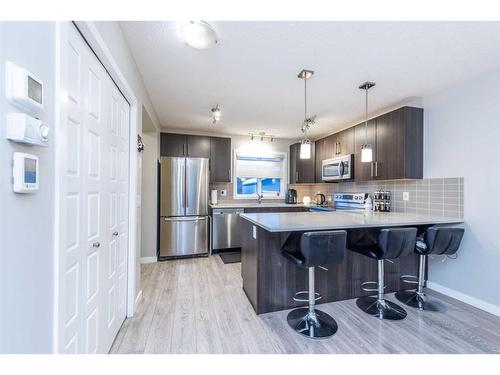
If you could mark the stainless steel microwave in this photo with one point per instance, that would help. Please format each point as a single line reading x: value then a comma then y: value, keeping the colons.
x: 339, y: 168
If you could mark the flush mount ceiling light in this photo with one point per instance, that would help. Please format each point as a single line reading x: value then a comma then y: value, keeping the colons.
x: 366, y: 148
x: 305, y: 144
x: 216, y: 113
x: 199, y: 35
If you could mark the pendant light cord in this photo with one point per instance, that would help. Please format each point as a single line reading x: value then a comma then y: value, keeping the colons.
x: 366, y: 116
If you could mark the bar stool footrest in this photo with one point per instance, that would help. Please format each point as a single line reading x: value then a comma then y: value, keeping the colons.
x: 409, y: 279
x: 364, y: 288
x: 297, y: 295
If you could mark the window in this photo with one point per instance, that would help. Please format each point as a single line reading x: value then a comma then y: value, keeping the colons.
x: 264, y: 175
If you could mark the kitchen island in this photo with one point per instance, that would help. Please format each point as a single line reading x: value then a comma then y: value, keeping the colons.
x: 270, y: 280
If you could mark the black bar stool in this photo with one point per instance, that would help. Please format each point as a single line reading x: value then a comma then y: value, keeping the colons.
x: 392, y: 243
x: 310, y: 250
x: 436, y: 240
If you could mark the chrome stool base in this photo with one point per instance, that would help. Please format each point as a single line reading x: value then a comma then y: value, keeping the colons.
x: 420, y: 301
x: 318, y: 325
x: 382, y: 309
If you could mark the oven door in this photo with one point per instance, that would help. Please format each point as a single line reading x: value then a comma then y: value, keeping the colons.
x: 332, y: 169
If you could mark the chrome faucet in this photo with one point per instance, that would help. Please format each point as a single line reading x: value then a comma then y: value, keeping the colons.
x: 259, y: 197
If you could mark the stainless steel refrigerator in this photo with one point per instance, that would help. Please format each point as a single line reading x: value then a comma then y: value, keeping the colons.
x: 184, y: 221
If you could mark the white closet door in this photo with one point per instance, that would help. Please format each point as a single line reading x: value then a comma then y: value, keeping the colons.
x: 93, y: 204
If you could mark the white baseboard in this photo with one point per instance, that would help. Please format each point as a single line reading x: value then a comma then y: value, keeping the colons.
x: 144, y: 260
x: 473, y: 301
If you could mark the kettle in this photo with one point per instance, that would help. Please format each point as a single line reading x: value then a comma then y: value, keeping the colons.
x: 291, y: 196
x: 320, y: 199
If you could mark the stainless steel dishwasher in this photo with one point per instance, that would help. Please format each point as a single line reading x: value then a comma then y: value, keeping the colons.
x: 226, y: 230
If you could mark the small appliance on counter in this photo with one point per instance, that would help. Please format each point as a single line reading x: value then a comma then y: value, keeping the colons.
x: 291, y: 196
x: 320, y: 199
x: 382, y: 201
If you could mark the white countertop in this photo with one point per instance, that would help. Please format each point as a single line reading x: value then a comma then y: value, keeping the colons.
x: 304, y: 221
x: 255, y: 204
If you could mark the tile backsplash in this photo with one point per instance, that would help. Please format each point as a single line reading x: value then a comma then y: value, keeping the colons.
x: 435, y: 196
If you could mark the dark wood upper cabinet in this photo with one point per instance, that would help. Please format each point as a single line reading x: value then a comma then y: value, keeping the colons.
x: 216, y: 149
x: 319, y: 156
x: 198, y: 146
x: 220, y: 159
x: 302, y: 171
x: 397, y: 141
x: 173, y: 145
x: 345, y: 142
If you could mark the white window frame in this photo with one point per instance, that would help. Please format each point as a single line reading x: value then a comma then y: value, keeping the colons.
x: 283, y: 179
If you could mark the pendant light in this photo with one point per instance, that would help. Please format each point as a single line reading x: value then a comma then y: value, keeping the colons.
x: 366, y: 148
x: 305, y: 144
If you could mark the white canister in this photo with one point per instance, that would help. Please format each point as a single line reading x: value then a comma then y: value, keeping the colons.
x: 213, y: 196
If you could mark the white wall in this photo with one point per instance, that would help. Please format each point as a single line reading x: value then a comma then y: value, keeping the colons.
x: 112, y: 35
x: 149, y: 213
x: 462, y: 135
x: 26, y: 221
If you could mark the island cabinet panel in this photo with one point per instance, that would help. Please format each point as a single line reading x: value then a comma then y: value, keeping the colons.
x: 270, y: 280
x: 301, y: 170
x: 220, y: 159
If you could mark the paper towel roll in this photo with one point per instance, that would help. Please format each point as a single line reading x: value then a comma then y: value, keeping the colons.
x: 213, y: 197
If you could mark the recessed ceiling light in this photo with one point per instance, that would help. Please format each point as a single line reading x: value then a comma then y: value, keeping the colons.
x: 199, y: 35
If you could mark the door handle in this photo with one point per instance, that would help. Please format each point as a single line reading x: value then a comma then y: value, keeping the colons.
x: 376, y: 169
x: 115, y: 234
x: 296, y: 176
x: 371, y: 169
x: 229, y: 174
x: 96, y: 244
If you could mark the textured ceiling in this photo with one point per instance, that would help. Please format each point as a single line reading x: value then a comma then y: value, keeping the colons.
x: 252, y: 73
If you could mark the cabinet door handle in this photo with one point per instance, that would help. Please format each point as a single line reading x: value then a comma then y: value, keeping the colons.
x: 115, y: 234
x: 229, y: 174
x: 371, y: 169
x: 96, y: 244
x: 296, y: 176
x: 183, y: 149
x: 376, y: 169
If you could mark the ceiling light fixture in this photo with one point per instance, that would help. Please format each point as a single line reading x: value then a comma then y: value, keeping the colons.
x: 366, y: 148
x: 262, y: 136
x: 199, y: 35
x: 216, y: 113
x: 305, y: 144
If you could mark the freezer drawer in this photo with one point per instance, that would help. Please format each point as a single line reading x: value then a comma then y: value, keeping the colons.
x: 226, y: 231
x: 183, y: 236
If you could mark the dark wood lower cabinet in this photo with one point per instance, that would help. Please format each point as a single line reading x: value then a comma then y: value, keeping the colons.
x: 270, y: 280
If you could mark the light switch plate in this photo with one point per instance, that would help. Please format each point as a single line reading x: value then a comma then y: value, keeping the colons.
x: 406, y: 196
x: 223, y: 192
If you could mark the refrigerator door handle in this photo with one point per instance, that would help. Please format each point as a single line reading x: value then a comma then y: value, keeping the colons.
x: 185, y: 218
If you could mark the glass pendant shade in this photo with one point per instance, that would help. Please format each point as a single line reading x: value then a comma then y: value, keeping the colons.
x: 366, y: 154
x: 305, y: 149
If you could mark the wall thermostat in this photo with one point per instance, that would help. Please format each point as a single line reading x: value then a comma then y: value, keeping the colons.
x: 26, y: 129
x: 23, y: 89
x: 25, y: 172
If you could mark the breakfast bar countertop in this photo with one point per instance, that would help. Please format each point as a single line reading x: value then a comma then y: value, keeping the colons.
x: 305, y: 221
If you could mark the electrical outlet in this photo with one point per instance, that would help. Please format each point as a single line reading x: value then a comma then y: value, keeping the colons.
x: 223, y: 192
x: 406, y: 196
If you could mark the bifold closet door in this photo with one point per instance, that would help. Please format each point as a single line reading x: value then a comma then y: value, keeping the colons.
x: 93, y: 203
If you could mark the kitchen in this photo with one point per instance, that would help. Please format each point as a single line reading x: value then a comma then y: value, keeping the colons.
x: 257, y: 187
x: 262, y: 191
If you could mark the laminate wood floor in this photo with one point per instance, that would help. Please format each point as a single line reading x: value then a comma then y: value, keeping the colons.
x: 198, y: 306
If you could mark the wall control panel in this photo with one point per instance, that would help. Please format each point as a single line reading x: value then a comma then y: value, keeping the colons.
x: 26, y: 129
x: 23, y: 88
x: 25, y: 173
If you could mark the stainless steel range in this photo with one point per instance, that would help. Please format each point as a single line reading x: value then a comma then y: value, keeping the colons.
x: 349, y: 201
